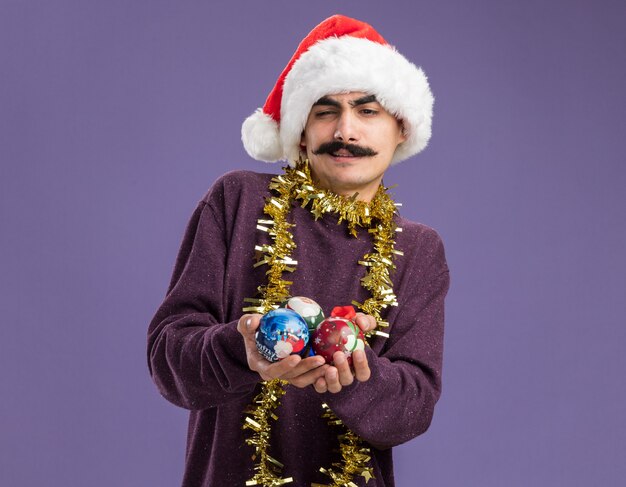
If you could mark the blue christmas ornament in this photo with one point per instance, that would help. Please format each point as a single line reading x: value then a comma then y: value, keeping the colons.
x: 282, y: 332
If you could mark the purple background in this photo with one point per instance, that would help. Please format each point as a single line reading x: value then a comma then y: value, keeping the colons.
x: 115, y: 117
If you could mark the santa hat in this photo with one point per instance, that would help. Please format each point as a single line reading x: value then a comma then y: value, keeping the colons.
x: 340, y: 55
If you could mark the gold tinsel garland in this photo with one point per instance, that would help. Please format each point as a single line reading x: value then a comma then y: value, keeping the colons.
x: 377, y: 216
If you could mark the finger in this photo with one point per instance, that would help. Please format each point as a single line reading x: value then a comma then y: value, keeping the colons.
x: 309, y: 378
x: 252, y: 353
x: 304, y: 366
x: 365, y: 322
x: 255, y: 359
x: 248, y: 324
x: 343, y: 368
x: 280, y: 369
x: 270, y: 370
x: 361, y: 366
x: 332, y: 380
x: 244, y: 323
x: 320, y: 385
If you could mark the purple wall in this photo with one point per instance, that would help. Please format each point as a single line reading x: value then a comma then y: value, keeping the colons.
x: 116, y: 116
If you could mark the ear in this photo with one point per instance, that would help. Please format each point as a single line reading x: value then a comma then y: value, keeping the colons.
x: 403, y: 135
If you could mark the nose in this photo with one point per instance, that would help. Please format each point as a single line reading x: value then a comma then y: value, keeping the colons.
x: 346, y: 129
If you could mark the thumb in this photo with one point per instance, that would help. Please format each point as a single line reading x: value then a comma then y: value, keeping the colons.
x: 248, y: 325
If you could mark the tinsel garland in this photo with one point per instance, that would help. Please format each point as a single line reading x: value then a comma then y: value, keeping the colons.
x: 377, y: 217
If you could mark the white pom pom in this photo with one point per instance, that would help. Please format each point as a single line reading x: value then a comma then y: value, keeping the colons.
x: 259, y: 134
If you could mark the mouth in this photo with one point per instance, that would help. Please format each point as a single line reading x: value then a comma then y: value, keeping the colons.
x: 343, y: 153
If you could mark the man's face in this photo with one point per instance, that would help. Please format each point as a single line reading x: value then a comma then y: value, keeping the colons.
x: 350, y: 140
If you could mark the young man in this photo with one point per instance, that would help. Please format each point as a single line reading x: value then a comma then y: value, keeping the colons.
x: 350, y: 106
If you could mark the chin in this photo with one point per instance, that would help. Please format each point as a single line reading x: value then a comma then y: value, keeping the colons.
x: 349, y: 177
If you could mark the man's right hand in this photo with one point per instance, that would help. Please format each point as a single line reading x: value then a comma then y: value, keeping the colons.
x: 294, y: 369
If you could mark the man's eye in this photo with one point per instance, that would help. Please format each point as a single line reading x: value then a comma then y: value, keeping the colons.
x: 369, y: 111
x: 324, y: 113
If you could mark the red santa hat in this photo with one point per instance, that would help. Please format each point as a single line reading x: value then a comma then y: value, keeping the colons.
x: 340, y: 55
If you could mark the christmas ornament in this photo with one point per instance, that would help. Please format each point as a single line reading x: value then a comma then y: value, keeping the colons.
x: 307, y: 308
x: 282, y: 332
x: 338, y: 334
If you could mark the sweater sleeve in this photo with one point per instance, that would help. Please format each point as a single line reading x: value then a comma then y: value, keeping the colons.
x: 397, y: 403
x: 195, y: 360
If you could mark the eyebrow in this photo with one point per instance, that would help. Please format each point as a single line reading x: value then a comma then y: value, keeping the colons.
x: 327, y: 101
x: 353, y: 103
x: 363, y: 100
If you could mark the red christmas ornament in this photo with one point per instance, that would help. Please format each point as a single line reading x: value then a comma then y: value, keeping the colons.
x: 338, y: 334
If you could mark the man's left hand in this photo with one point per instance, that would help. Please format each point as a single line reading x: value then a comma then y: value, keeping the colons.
x: 341, y: 374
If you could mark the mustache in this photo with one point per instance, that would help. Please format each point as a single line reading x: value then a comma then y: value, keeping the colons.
x: 335, y: 145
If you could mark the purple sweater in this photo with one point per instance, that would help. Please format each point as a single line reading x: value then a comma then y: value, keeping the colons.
x: 197, y: 357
